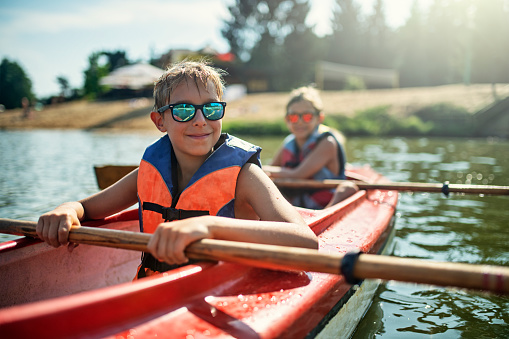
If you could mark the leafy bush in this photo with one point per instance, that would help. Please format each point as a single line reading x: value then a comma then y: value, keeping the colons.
x: 447, y: 119
x: 255, y: 128
x: 441, y: 111
x: 378, y: 121
x: 354, y: 83
x: 433, y: 120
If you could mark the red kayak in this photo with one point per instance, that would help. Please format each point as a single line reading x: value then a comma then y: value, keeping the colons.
x: 51, y: 293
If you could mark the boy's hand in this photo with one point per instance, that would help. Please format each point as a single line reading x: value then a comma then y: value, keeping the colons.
x: 171, y: 239
x: 53, y: 227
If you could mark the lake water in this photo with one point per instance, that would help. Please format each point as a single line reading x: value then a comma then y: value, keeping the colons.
x: 41, y: 168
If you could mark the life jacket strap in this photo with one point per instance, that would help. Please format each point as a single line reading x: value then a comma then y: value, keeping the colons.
x: 148, y: 261
x: 170, y: 213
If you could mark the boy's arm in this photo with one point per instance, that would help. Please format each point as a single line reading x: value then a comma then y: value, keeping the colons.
x: 113, y: 199
x: 280, y: 222
x: 53, y: 227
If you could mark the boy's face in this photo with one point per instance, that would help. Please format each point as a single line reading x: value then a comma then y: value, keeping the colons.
x: 303, y: 126
x: 197, y: 137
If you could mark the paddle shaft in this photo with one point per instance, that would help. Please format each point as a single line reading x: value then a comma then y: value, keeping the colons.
x: 396, y: 186
x: 107, y: 175
x: 367, y: 266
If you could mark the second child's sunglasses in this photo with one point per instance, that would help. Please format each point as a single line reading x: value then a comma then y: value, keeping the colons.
x: 185, y: 112
x: 294, y: 117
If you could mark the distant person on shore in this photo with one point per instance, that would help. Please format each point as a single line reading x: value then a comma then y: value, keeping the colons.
x: 311, y: 151
x: 192, y: 183
x: 27, y: 111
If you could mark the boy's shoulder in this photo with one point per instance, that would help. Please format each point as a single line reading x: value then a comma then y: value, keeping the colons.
x: 233, y: 141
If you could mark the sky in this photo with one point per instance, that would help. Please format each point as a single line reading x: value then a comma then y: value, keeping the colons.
x: 54, y: 38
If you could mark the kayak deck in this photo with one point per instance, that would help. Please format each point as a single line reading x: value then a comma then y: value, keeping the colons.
x: 221, y: 299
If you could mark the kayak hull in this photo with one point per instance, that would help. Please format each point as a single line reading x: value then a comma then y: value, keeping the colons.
x: 219, y: 300
x: 32, y: 271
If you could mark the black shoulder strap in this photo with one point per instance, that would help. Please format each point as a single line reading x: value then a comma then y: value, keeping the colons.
x: 341, y: 154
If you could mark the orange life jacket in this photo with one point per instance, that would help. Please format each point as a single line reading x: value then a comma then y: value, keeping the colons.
x: 211, y: 190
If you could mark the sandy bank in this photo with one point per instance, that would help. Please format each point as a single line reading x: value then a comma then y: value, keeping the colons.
x: 134, y: 114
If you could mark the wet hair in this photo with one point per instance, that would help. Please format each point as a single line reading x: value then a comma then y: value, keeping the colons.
x: 198, y: 72
x: 306, y: 93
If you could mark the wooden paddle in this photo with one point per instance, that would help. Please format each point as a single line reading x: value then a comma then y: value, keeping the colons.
x: 445, y: 188
x: 109, y: 174
x: 362, y: 266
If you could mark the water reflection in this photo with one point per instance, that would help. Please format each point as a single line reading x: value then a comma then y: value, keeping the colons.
x: 41, y: 169
x: 461, y: 228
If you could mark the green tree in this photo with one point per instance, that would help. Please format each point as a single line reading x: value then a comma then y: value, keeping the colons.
x: 237, y: 29
x: 345, y: 40
x: 490, y: 41
x: 446, y: 32
x: 412, y: 63
x: 64, y: 86
x: 455, y: 41
x: 378, y: 43
x: 116, y: 59
x: 92, y: 88
x: 14, y: 84
x: 299, y: 54
x: 257, y: 33
x: 299, y: 51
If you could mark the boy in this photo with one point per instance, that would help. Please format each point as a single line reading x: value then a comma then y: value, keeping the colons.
x: 312, y: 151
x: 200, y: 180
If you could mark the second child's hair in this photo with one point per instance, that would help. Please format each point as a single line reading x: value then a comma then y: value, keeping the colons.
x: 199, y: 72
x: 306, y: 93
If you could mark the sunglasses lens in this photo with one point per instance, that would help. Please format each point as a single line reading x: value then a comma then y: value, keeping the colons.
x: 183, y: 112
x: 307, y: 117
x: 293, y: 118
x: 213, y: 111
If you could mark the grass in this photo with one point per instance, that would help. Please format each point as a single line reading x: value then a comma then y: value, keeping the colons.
x: 434, y: 120
x: 400, y: 111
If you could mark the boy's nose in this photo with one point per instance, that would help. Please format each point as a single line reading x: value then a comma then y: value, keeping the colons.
x: 199, y: 116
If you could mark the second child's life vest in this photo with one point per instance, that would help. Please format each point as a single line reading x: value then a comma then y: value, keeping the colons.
x: 292, y: 156
x: 211, y: 190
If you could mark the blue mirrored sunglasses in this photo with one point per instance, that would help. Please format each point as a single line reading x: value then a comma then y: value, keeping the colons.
x: 185, y: 112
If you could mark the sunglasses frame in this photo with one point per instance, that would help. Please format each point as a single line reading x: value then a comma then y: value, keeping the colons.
x: 163, y: 109
x: 300, y: 116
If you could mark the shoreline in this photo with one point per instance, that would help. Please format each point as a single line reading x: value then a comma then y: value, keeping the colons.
x: 133, y: 114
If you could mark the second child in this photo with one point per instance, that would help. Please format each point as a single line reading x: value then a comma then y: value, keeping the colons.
x: 311, y: 151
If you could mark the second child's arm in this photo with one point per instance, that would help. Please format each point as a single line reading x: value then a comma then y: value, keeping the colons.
x: 276, y: 160
x: 324, y: 155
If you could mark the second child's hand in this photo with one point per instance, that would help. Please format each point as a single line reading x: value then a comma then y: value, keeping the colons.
x: 272, y: 171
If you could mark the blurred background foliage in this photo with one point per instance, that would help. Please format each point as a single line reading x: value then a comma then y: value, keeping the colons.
x: 273, y: 49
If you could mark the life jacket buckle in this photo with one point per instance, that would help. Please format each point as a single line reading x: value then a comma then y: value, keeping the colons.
x: 170, y: 213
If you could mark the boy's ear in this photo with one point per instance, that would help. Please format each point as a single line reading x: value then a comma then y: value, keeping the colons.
x: 157, y: 119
